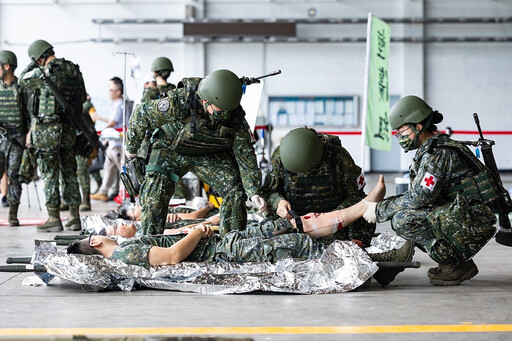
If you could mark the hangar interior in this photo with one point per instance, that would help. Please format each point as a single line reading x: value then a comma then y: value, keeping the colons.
x: 456, y: 54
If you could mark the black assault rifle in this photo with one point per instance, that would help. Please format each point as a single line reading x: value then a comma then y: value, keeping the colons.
x: 502, y: 205
x: 76, y: 118
x: 252, y: 80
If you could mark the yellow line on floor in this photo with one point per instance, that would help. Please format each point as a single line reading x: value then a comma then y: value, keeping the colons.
x: 464, y: 328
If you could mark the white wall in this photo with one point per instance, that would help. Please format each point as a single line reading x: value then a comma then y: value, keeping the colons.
x: 455, y: 78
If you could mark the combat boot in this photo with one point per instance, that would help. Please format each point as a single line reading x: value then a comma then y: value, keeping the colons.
x: 452, y: 274
x: 13, y: 215
x: 403, y: 254
x: 53, y: 224
x: 86, y: 202
x: 73, y: 223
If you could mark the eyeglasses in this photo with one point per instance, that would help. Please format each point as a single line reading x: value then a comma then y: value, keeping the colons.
x: 399, y: 134
x: 90, y: 236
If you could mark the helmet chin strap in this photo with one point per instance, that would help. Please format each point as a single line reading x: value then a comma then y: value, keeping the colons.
x: 207, y: 104
x: 3, y: 73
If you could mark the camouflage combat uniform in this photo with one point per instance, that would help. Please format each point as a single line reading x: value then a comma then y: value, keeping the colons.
x: 228, y: 164
x: 445, y: 208
x: 53, y: 135
x: 14, y: 123
x: 255, y: 244
x: 336, y: 182
x: 154, y: 93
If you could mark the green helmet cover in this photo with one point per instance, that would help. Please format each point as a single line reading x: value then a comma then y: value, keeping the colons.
x: 161, y: 64
x: 300, y: 150
x: 409, y: 109
x: 8, y: 57
x: 221, y: 88
x: 38, y: 48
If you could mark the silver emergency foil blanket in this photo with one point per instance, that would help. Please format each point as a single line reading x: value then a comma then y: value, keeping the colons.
x: 95, y: 222
x: 384, y: 242
x: 343, y: 266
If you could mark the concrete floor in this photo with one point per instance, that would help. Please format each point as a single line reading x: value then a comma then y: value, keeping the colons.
x: 409, y: 308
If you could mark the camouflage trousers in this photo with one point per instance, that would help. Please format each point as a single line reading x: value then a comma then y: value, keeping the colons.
x: 51, y: 165
x: 217, y: 170
x: 451, y: 233
x: 10, y: 160
x: 256, y: 244
x: 82, y: 174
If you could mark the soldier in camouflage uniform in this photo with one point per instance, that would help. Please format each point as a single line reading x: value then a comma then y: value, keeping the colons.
x: 53, y: 133
x: 14, y: 123
x: 83, y: 155
x: 162, y: 68
x: 445, y: 211
x: 202, y: 129
x: 312, y: 172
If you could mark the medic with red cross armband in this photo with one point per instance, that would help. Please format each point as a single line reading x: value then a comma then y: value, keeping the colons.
x: 446, y: 208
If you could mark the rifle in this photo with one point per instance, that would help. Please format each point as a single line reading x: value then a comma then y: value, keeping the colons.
x: 90, y: 134
x: 503, y: 205
x: 252, y: 80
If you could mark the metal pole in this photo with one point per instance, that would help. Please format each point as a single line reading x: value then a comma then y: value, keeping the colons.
x: 124, y: 53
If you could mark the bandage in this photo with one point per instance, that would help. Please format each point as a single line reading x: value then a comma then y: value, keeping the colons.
x: 315, y: 230
x: 370, y: 215
x: 336, y: 225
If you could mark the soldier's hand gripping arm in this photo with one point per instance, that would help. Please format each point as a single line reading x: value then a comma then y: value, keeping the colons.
x: 283, y: 209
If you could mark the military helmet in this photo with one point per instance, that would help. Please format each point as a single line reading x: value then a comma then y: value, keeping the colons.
x: 300, y: 150
x: 221, y: 88
x: 38, y: 48
x: 161, y: 64
x: 408, y: 109
x: 8, y: 57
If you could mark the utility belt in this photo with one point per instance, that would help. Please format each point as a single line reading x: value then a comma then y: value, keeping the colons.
x: 134, y: 171
x: 481, y: 187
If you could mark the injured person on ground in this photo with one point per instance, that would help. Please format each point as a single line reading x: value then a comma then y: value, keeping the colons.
x: 255, y: 244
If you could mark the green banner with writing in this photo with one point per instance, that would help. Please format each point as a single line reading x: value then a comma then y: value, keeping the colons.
x: 378, y: 130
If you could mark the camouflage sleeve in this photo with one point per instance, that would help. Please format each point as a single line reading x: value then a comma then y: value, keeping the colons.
x: 433, y: 173
x: 245, y: 156
x: 29, y: 77
x: 350, y: 175
x: 274, y: 187
x: 146, y: 116
x: 149, y: 94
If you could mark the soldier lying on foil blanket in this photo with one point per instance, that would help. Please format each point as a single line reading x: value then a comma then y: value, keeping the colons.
x: 255, y: 244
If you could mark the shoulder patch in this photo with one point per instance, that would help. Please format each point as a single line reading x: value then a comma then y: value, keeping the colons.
x: 361, y: 182
x: 163, y: 105
x: 429, y: 181
x: 28, y: 74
